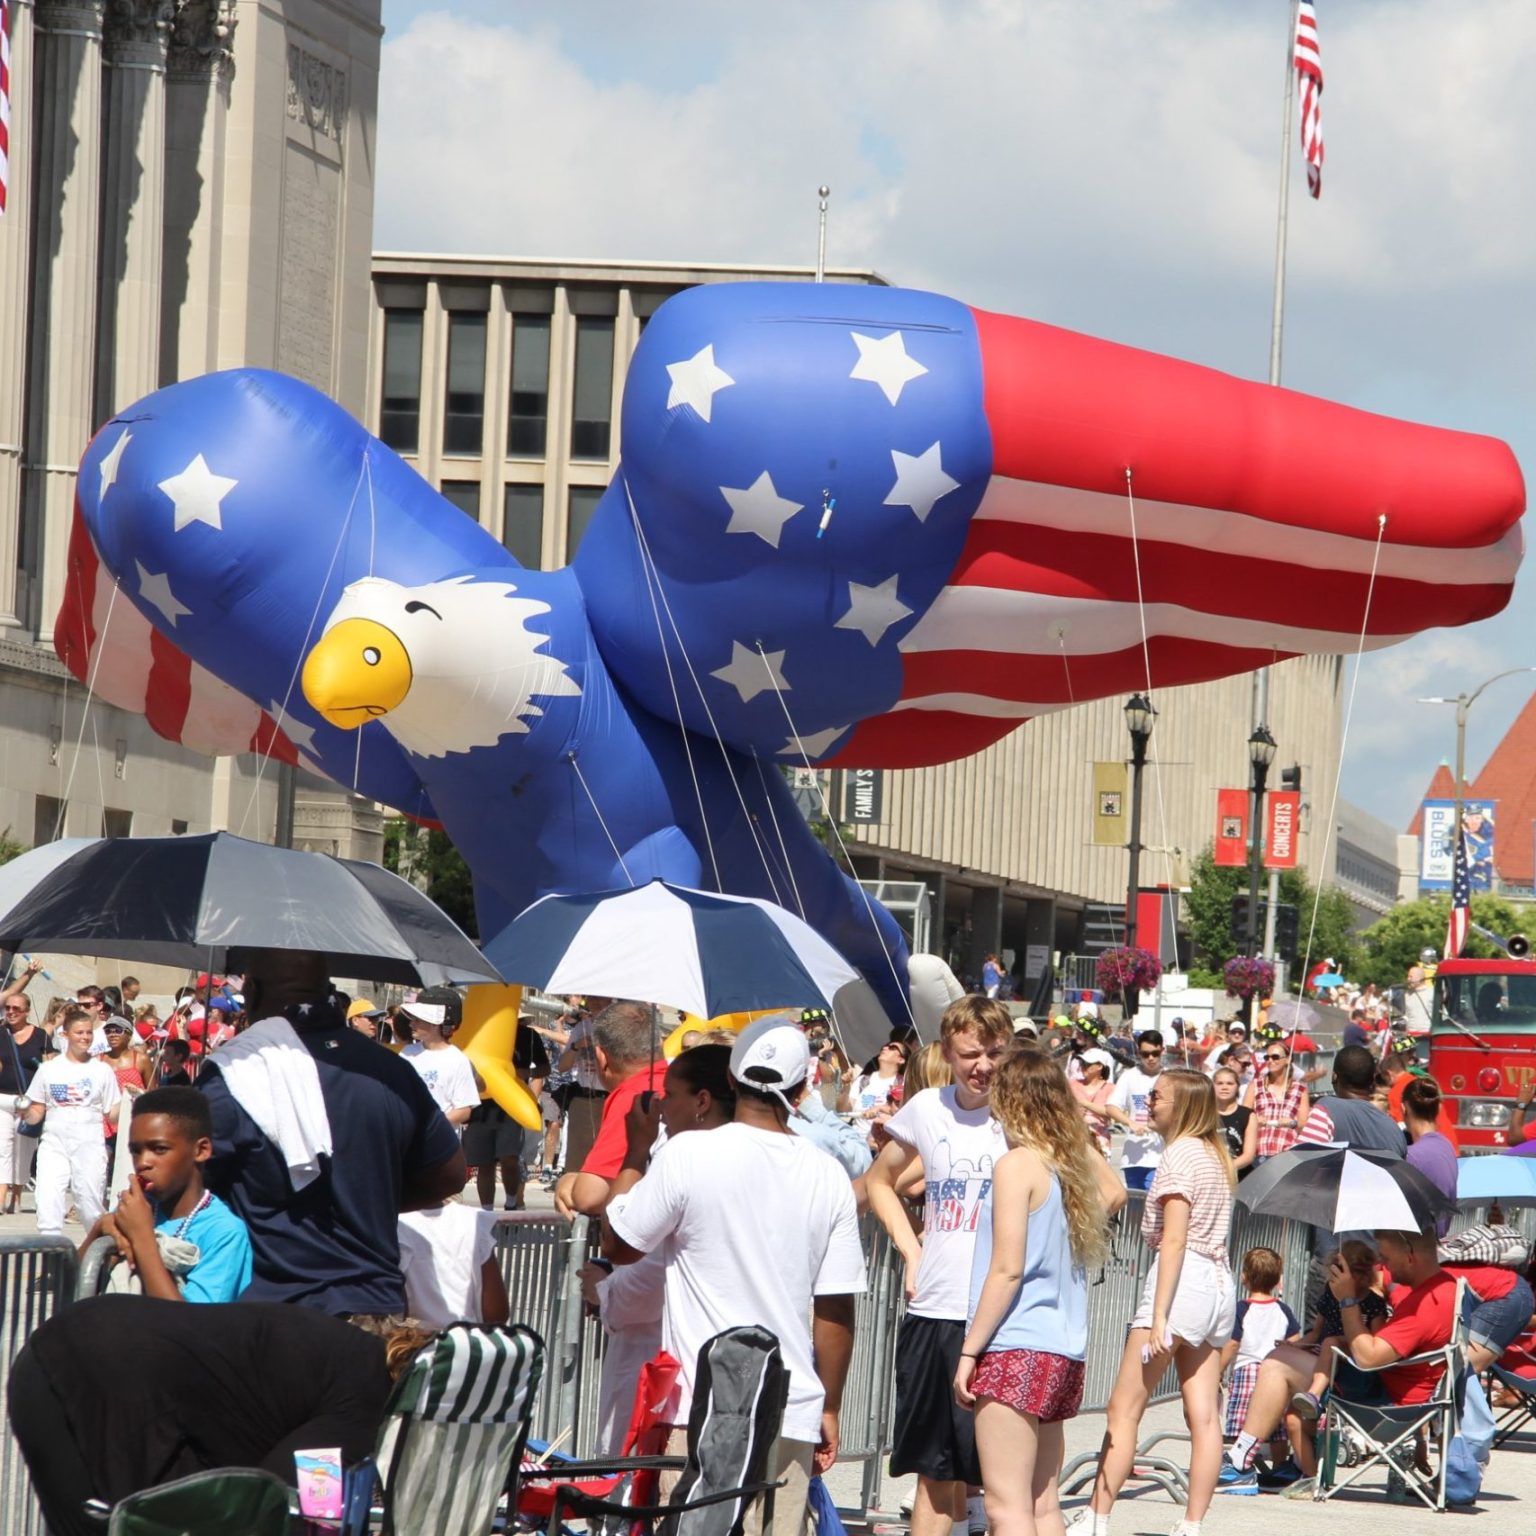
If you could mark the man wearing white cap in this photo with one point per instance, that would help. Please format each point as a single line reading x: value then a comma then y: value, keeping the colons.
x: 756, y: 1227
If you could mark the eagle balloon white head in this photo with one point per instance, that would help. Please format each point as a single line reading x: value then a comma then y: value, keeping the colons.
x: 445, y: 667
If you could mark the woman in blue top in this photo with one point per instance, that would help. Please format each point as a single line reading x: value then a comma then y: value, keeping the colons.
x: 1042, y: 1225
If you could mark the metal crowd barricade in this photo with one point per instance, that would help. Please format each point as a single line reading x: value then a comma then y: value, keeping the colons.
x: 38, y: 1276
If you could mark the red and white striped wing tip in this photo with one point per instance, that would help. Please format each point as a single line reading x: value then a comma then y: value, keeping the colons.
x: 108, y: 644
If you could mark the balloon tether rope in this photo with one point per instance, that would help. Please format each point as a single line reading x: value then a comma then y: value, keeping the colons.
x: 90, y: 699
x: 581, y: 779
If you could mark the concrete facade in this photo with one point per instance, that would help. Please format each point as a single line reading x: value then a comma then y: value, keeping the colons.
x: 1002, y: 839
x: 191, y: 189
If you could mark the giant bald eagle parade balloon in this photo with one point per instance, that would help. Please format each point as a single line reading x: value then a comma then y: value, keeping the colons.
x: 866, y: 524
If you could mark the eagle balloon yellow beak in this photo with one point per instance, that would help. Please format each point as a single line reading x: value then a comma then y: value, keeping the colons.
x: 357, y: 672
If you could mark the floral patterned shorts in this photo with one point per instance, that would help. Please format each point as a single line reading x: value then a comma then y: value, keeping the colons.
x: 1047, y: 1387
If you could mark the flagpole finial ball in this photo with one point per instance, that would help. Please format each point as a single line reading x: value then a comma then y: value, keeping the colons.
x: 823, y: 191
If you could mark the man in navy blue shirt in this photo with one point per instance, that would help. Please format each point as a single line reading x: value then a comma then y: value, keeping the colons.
x: 329, y: 1241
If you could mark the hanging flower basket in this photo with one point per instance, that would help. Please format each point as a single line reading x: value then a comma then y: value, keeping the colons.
x: 1247, y: 976
x: 1123, y: 972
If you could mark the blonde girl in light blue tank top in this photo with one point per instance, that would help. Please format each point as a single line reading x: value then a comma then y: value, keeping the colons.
x: 1041, y: 1227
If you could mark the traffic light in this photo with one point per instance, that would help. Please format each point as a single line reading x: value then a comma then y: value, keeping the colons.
x: 1239, y: 930
x: 1290, y: 778
x: 1286, y: 930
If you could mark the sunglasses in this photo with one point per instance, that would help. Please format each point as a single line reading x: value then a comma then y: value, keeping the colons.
x: 1151, y: 1055
x: 1274, y: 1058
x: 1154, y: 1097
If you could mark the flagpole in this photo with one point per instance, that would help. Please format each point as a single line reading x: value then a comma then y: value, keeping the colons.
x: 822, y: 194
x: 1276, y: 345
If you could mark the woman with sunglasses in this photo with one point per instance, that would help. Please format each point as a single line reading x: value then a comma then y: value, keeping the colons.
x: 873, y: 1088
x: 21, y: 1053
x: 1279, y: 1101
x: 1189, y: 1305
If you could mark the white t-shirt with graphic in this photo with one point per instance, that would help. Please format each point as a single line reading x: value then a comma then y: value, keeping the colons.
x: 958, y: 1148
x: 447, y: 1073
x: 1143, y: 1146
x: 77, y: 1093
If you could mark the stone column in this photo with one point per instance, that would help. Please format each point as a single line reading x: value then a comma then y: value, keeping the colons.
x: 66, y: 84
x: 15, y: 309
x: 133, y: 203
x: 199, y: 68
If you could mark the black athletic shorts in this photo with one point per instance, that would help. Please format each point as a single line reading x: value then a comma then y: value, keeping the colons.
x: 491, y: 1135
x: 932, y: 1435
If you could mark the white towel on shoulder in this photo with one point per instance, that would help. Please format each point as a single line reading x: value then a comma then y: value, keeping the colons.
x: 275, y: 1081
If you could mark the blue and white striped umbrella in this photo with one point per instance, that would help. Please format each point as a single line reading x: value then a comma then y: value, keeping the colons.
x: 660, y: 943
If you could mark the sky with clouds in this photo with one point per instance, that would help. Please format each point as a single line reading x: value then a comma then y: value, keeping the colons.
x: 1107, y: 165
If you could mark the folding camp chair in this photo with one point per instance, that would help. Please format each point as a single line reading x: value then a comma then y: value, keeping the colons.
x: 215, y: 1503
x: 740, y: 1388
x: 1514, y: 1419
x: 1385, y: 1435
x: 453, y: 1434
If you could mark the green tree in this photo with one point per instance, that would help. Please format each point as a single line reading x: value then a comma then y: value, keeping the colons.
x: 1328, y: 917
x: 1391, y: 945
x: 428, y: 859
x: 10, y: 847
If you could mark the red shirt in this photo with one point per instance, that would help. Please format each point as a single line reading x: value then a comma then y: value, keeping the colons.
x: 607, y: 1155
x: 1489, y: 1281
x: 1421, y: 1321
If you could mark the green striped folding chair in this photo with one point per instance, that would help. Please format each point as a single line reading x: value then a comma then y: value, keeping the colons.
x: 454, y: 1430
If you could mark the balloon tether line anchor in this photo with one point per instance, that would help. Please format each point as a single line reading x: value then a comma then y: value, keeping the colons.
x: 581, y: 779
x: 828, y: 507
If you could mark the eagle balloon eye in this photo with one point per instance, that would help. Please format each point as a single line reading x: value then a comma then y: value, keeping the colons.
x: 416, y: 606
x: 371, y: 655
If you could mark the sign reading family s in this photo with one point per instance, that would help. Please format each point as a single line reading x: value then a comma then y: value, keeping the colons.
x: 864, y: 795
x: 1437, y: 843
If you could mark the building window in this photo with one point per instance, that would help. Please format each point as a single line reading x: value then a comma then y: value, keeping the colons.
x: 178, y: 827
x: 116, y: 823
x: 522, y: 527
x: 47, y: 820
x: 592, y: 405
x: 464, y: 409
x: 465, y: 495
x: 583, y: 503
x: 400, y: 414
x: 528, y: 413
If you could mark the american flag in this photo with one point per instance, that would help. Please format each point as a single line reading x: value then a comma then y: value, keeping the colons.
x: 5, y: 99
x: 1309, y: 84
x: 1461, y: 902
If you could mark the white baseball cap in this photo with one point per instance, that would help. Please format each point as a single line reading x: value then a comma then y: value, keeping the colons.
x: 1099, y: 1058
x: 771, y: 1055
x: 1026, y: 1026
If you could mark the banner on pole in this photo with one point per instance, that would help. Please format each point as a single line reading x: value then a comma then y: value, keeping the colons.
x: 1232, y: 827
x: 1282, y: 817
x: 1111, y: 822
x: 1437, y: 843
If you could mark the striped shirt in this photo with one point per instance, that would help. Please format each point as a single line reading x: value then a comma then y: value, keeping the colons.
x: 1192, y: 1170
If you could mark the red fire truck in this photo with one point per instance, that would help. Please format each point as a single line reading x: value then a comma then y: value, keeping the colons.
x: 1482, y: 1049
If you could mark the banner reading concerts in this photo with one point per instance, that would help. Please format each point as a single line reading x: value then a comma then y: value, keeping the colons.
x: 1437, y: 843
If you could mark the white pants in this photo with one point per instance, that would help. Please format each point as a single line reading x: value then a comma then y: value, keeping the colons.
x: 70, y: 1162
x: 16, y: 1151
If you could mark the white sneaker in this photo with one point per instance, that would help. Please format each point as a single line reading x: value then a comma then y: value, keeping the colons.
x: 1081, y: 1523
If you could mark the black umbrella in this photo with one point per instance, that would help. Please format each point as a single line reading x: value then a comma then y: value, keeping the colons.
x: 200, y: 901
x: 1343, y: 1189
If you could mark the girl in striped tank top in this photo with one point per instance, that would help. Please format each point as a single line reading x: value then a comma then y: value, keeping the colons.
x: 1279, y: 1101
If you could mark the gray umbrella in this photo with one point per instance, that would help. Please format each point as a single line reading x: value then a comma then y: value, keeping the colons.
x: 201, y: 901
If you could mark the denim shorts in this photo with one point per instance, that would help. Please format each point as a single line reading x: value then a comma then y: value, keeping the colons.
x: 1497, y: 1324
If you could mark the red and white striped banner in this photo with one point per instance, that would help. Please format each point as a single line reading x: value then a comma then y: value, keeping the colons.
x: 5, y: 99
x: 1309, y: 89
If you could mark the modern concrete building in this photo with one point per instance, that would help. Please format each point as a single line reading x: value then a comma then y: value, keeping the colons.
x: 191, y: 188
x: 500, y: 381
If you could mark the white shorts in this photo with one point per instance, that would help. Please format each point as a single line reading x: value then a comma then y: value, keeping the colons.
x: 1204, y: 1307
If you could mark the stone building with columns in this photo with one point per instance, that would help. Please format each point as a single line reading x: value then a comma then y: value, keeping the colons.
x: 191, y: 188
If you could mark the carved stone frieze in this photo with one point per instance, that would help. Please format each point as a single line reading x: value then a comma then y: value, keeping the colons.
x: 70, y: 16
x: 203, y: 39
x: 317, y: 93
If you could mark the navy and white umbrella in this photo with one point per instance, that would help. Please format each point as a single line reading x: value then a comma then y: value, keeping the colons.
x: 661, y: 943
x: 199, y: 901
x: 1342, y: 1189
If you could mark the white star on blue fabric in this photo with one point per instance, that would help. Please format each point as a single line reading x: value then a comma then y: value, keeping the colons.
x: 300, y: 734
x: 109, y: 462
x: 156, y: 591
x: 817, y: 744
x: 196, y: 494
x: 748, y: 674
x: 920, y: 481
x: 884, y: 360
x: 872, y: 610
x: 696, y: 381
x: 758, y: 508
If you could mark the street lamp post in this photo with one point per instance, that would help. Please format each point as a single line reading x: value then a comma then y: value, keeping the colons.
x: 1261, y: 753
x: 1463, y: 703
x: 1139, y: 716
